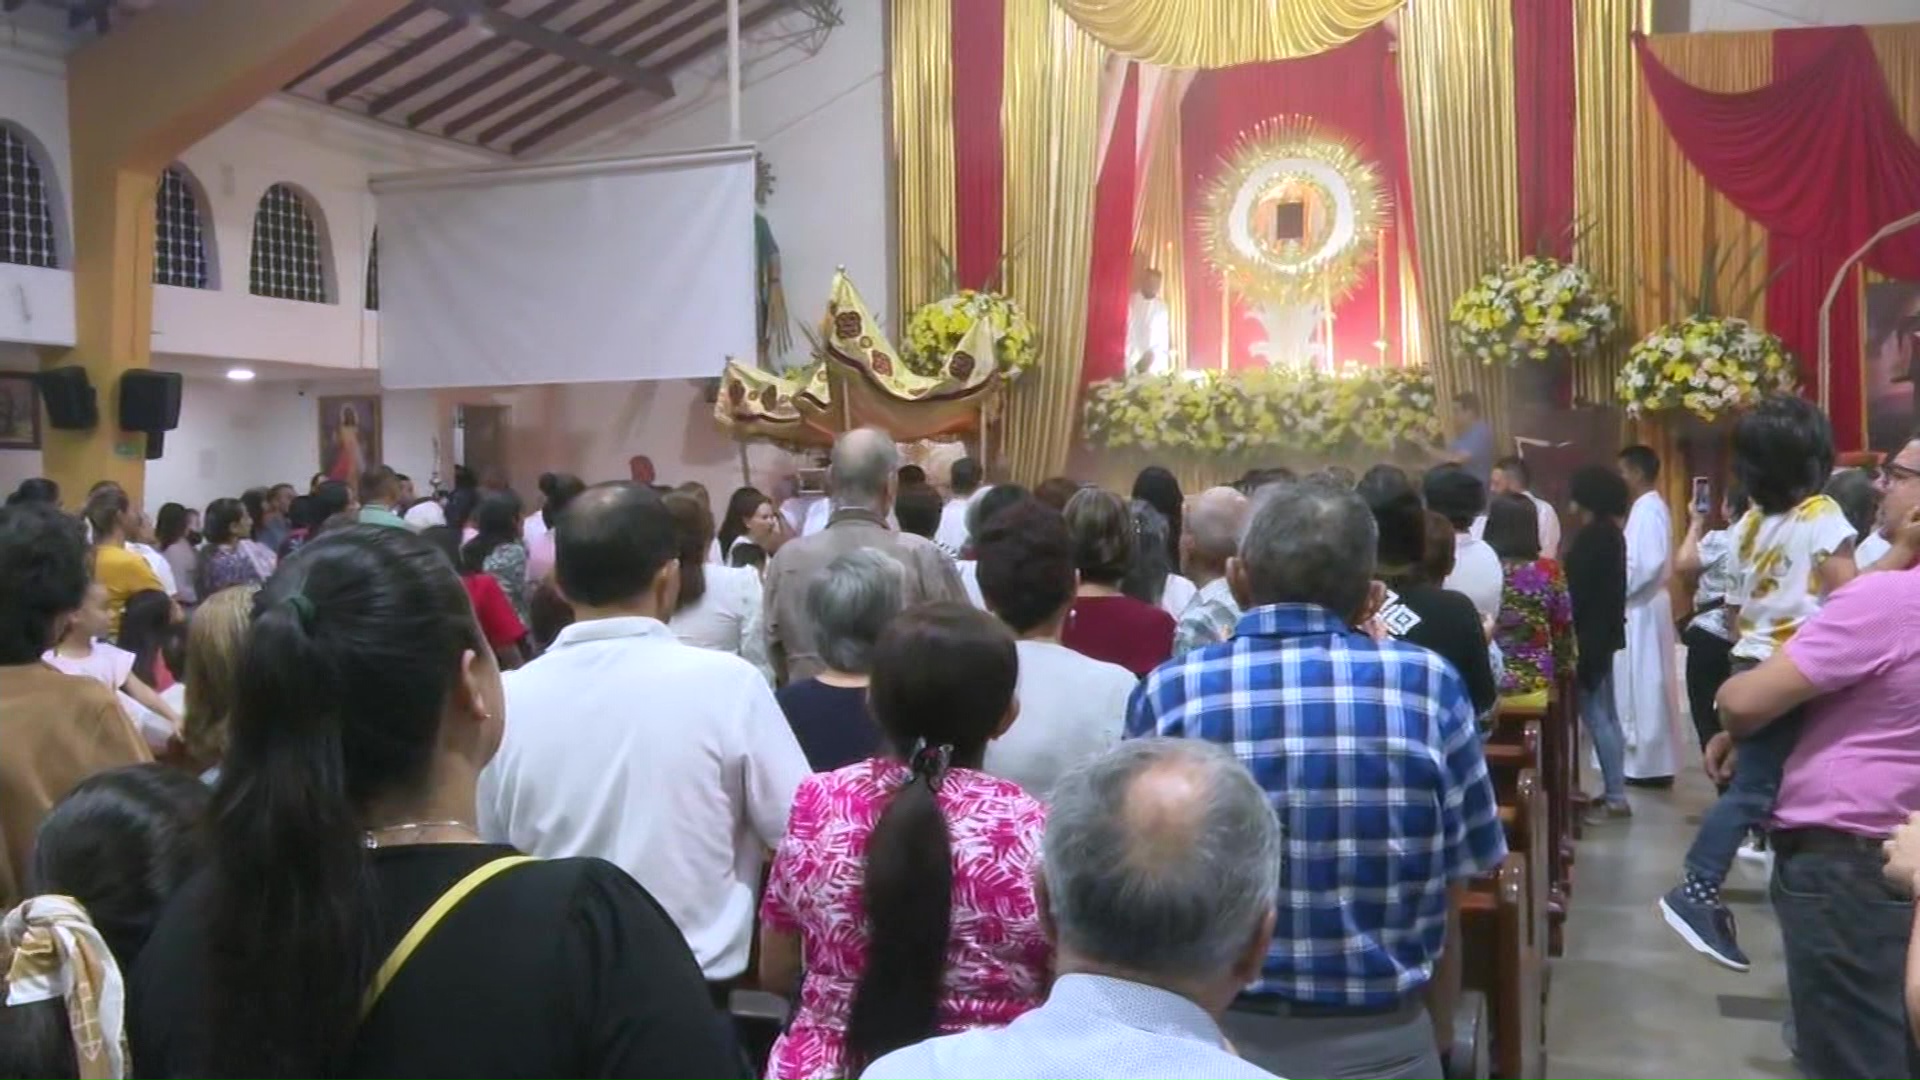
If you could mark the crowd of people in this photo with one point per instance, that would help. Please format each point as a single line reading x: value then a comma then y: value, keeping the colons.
x: 983, y: 781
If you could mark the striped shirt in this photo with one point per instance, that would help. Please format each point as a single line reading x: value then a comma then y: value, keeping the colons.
x: 1369, y: 754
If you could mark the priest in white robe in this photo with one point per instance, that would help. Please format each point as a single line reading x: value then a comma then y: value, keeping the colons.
x: 1149, y: 333
x: 1644, y: 684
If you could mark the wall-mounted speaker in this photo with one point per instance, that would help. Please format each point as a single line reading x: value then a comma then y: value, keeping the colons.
x: 149, y: 401
x: 72, y: 402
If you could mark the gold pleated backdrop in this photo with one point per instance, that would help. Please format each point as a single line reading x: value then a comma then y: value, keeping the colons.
x: 922, y: 72
x: 1678, y: 213
x: 1898, y: 48
x: 1157, y: 238
x: 1050, y: 128
x: 1221, y: 33
x: 1456, y: 71
x: 1606, y: 79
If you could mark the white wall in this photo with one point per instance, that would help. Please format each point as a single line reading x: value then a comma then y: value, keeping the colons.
x: 324, y: 153
x: 822, y: 123
x: 1783, y: 14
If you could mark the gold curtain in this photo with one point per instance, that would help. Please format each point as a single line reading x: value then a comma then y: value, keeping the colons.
x: 1221, y: 33
x: 1050, y: 125
x: 1606, y: 77
x: 921, y: 60
x: 1898, y: 48
x: 1158, y: 228
x: 1677, y: 214
x: 1456, y: 68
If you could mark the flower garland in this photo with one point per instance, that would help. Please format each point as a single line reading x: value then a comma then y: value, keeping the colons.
x: 936, y: 329
x: 1528, y: 309
x: 1706, y: 364
x: 1266, y: 410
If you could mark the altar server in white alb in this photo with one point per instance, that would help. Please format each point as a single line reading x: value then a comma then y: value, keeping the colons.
x: 1643, y: 673
x: 1149, y: 334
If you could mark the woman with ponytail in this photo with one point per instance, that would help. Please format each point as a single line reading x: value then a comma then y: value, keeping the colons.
x: 367, y: 703
x: 906, y: 881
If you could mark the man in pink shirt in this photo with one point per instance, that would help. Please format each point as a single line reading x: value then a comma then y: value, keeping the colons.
x: 1850, y: 781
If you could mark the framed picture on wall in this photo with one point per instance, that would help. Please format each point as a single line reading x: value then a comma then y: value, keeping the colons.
x: 19, y: 411
x: 349, y: 436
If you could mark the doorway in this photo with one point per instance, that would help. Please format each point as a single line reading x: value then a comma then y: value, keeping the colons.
x: 481, y: 433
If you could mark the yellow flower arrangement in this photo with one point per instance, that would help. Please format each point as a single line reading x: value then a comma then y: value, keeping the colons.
x: 1529, y: 309
x: 1707, y: 365
x: 935, y: 329
x: 1266, y: 410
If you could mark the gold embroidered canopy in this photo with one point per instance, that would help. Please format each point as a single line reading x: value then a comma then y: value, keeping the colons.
x: 1222, y: 33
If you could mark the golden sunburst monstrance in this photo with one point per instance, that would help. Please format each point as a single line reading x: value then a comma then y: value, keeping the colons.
x: 1294, y: 214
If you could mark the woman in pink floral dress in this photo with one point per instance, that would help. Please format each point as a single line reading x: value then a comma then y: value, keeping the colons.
x: 907, y: 881
x: 1535, y: 627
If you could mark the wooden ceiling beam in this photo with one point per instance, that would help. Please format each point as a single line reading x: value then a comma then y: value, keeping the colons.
x: 405, y: 54
x: 667, y: 63
x: 386, y: 26
x: 444, y: 71
x: 637, y: 29
x: 571, y: 49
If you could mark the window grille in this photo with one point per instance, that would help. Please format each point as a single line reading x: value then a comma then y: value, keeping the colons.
x: 179, y: 239
x: 26, y: 210
x: 287, y: 260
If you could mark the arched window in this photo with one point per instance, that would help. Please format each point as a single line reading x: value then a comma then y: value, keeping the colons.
x: 373, y: 273
x: 26, y: 205
x: 289, y: 259
x: 179, y: 233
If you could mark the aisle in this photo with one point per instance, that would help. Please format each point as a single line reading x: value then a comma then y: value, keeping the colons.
x: 1630, y: 999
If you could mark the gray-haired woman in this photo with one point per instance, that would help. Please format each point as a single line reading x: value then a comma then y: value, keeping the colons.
x: 850, y: 604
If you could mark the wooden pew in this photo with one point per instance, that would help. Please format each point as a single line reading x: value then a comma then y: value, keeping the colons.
x: 1497, y: 961
x: 1522, y: 739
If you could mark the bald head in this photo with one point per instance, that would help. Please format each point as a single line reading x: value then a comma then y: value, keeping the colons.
x: 862, y: 472
x: 1162, y: 857
x: 612, y: 543
x: 1214, y: 521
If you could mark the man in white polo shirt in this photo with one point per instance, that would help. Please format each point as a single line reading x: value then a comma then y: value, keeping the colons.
x: 673, y: 762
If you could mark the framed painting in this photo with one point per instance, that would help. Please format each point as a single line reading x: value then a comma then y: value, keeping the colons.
x: 19, y: 411
x: 349, y: 437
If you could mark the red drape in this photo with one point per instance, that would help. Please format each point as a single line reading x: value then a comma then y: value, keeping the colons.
x: 1109, y: 276
x: 1543, y: 66
x: 1353, y: 90
x: 979, y: 59
x: 1820, y: 158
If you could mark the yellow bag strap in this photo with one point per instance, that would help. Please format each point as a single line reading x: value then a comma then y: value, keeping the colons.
x: 431, y: 918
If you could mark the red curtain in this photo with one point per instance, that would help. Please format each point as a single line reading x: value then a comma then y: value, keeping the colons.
x: 1353, y: 90
x: 979, y: 59
x: 1543, y: 66
x: 1110, y: 273
x: 1820, y: 158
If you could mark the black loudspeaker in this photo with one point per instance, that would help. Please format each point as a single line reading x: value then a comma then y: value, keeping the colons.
x: 149, y: 401
x: 72, y: 403
x: 156, y: 445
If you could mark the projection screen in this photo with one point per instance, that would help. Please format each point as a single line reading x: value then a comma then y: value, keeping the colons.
x: 574, y: 272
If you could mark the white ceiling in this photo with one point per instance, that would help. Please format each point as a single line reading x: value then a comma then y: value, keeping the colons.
x: 1781, y: 14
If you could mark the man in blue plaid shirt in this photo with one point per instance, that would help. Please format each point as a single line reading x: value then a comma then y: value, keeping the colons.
x: 1368, y: 751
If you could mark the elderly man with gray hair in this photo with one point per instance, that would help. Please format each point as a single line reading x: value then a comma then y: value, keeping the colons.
x: 1368, y: 753
x: 862, y: 482
x: 1213, y: 522
x: 1161, y: 862
x: 850, y: 603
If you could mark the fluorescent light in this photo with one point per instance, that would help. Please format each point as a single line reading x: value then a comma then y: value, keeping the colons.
x: 240, y: 374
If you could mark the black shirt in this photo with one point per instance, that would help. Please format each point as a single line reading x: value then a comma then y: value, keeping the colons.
x: 1446, y: 622
x: 564, y: 967
x: 1596, y: 566
x: 830, y: 722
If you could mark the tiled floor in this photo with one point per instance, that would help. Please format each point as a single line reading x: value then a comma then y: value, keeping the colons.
x: 1629, y: 998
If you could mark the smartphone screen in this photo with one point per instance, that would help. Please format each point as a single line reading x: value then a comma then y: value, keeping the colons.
x: 1702, y: 495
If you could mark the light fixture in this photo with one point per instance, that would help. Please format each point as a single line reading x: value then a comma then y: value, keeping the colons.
x: 240, y: 374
